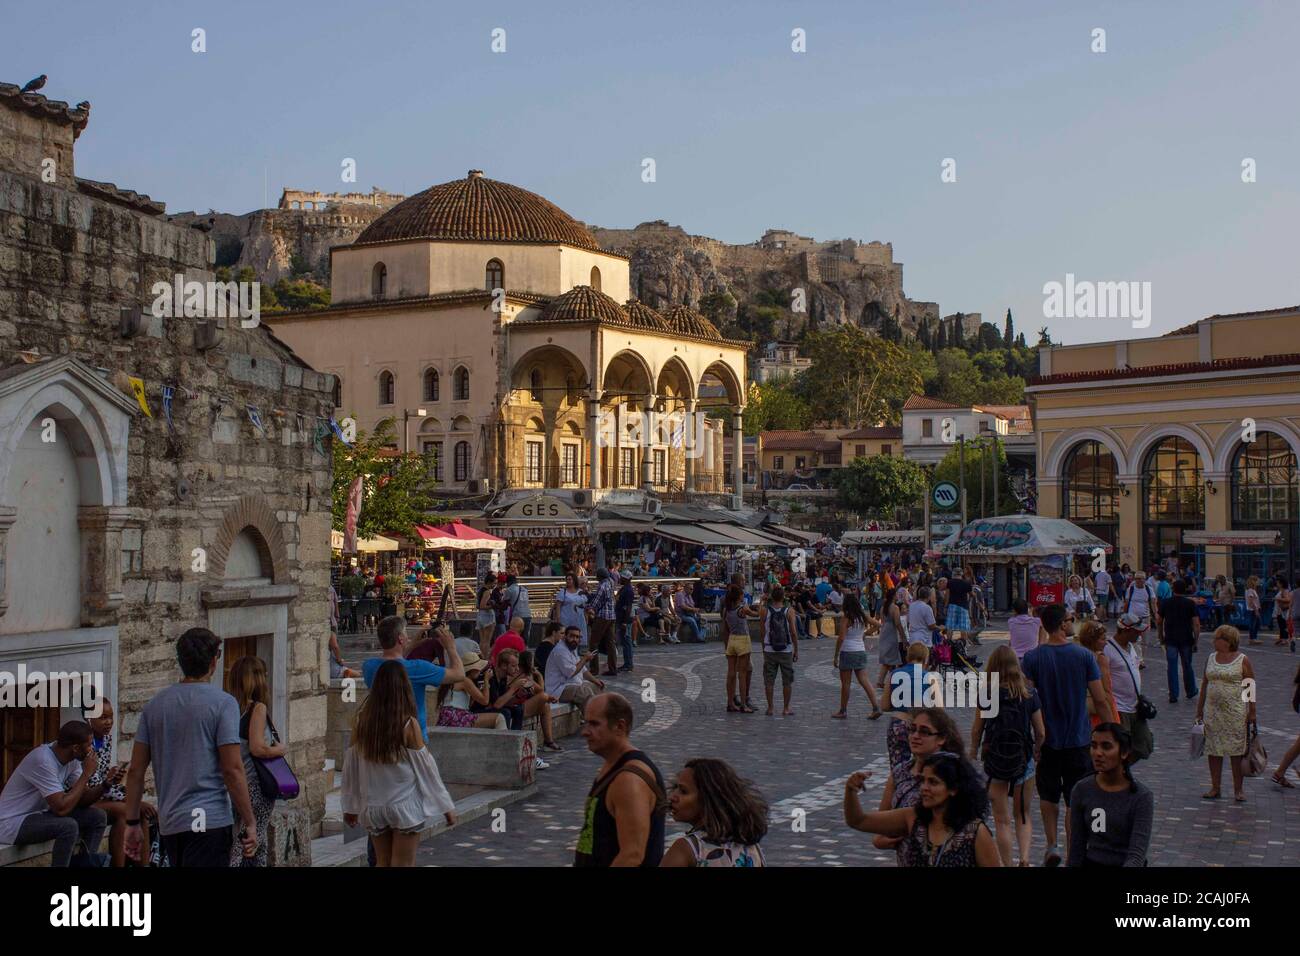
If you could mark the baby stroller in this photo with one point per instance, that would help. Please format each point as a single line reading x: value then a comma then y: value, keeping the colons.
x: 952, y: 654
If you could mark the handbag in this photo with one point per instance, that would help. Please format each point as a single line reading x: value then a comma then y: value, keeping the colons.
x: 1196, y: 741
x: 1145, y: 709
x: 274, y: 774
x: 1255, y: 760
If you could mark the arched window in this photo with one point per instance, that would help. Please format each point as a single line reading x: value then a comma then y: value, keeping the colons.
x: 431, y: 385
x: 387, y: 388
x: 460, y: 384
x: 379, y: 280
x: 1173, y: 501
x: 535, y: 385
x: 461, y: 461
x: 496, y: 275
x: 1264, y: 498
x: 1091, y: 492
x: 595, y: 278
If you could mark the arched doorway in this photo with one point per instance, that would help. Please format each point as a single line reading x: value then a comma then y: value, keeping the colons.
x: 1264, y: 498
x: 1090, y: 490
x: 1173, y: 501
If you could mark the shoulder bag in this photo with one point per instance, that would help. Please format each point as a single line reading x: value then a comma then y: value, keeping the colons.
x: 274, y: 774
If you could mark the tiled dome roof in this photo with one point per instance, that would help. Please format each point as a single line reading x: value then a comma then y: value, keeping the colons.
x: 582, y: 303
x: 686, y: 321
x: 475, y: 208
x: 645, y: 317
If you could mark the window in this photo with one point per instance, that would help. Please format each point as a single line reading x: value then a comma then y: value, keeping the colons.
x: 461, y: 463
x: 379, y: 280
x: 460, y: 384
x: 433, y: 452
x: 387, y: 388
x: 661, y: 466
x: 338, y: 391
x: 627, y: 467
x: 1091, y: 493
x: 800, y: 461
x: 886, y: 449
x: 860, y: 450
x: 595, y: 278
x: 1263, y: 481
x: 1173, y: 501
x: 569, y: 464
x: 778, y: 462
x: 533, y: 462
x: 431, y: 385
x: 986, y: 426
x: 535, y: 385
x: 927, y: 428
x: 496, y: 275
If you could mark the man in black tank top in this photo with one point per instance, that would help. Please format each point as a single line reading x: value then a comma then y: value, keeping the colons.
x: 623, y: 820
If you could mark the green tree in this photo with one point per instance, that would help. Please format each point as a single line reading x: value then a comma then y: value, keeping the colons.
x: 1008, y: 331
x: 958, y: 337
x: 719, y: 308
x: 776, y: 405
x: 396, y: 487
x: 291, y: 294
x: 958, y: 379
x: 299, y: 266
x: 857, y: 378
x: 988, y: 339
x: 979, y: 454
x: 881, y: 483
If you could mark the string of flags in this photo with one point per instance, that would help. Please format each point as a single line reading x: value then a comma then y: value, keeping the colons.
x: 323, y: 427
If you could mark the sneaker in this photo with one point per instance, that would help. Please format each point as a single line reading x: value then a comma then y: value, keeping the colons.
x: 539, y: 763
x: 1052, y: 857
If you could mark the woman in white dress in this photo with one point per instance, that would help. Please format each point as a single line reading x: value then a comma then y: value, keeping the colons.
x: 391, y: 784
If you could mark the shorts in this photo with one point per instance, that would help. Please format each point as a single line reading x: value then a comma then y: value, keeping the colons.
x: 783, y: 662
x: 958, y: 618
x: 739, y: 645
x: 486, y: 619
x: 1060, y: 770
x: 455, y: 717
x: 1029, y: 772
x: 853, y: 660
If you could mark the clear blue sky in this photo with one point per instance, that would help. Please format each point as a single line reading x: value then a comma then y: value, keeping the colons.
x: 1117, y: 166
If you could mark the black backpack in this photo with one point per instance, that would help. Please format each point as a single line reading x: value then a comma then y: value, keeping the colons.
x: 778, y: 628
x: 1008, y: 741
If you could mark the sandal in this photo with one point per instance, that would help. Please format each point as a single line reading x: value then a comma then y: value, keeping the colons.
x: 1212, y: 795
x: 875, y: 714
x: 733, y: 709
x: 552, y: 746
x: 840, y: 715
x: 1281, y: 780
x: 748, y: 710
x: 1239, y: 798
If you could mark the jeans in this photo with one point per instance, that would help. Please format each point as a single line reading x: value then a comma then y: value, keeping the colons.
x: 84, y: 823
x: 1252, y: 617
x: 692, y: 624
x: 1173, y: 654
x: 625, y: 639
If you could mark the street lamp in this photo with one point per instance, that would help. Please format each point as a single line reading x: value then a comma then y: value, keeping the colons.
x: 406, y: 434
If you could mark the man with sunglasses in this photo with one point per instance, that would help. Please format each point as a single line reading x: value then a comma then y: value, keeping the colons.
x: 1065, y: 675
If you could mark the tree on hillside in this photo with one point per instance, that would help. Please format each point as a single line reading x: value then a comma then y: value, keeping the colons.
x: 1008, y: 331
x: 774, y: 406
x: 857, y: 378
x: 988, y: 338
x: 958, y: 337
x: 881, y: 483
x: 718, y: 307
x: 395, y: 487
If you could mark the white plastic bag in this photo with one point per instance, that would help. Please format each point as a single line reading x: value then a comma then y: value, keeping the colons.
x: 1196, y: 741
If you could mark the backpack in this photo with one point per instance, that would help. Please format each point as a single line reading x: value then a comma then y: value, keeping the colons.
x: 778, y: 629
x: 1008, y: 741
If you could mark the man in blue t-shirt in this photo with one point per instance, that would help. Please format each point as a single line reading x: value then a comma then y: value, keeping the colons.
x: 423, y: 674
x: 1065, y: 675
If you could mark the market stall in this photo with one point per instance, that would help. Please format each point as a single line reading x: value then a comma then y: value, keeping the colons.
x: 454, y: 554
x: 545, y: 534
x: 1041, y: 548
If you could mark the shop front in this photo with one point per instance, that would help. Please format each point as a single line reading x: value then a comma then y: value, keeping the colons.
x: 545, y: 535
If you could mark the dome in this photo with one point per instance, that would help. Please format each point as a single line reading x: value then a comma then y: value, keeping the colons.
x: 475, y: 208
x: 684, y: 320
x: 582, y: 303
x: 642, y: 316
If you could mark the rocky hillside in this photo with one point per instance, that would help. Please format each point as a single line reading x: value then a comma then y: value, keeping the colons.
x: 841, y: 281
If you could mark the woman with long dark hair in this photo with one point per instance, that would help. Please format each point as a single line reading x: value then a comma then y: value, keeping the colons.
x: 945, y: 828
x: 851, y: 655
x: 391, y: 785
x: 1111, y: 797
x: 727, y: 817
x: 257, y: 738
x: 739, y: 647
x: 892, y: 630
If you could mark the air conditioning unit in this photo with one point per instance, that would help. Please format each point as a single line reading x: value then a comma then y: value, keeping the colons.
x: 478, y: 486
x: 651, y: 506
x: 580, y: 499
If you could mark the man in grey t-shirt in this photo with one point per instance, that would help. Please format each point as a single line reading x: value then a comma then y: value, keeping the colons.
x: 190, y: 733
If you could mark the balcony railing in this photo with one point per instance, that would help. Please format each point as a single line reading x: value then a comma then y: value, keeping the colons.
x: 555, y: 476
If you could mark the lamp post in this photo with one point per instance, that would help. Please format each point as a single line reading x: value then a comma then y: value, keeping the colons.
x: 407, y: 415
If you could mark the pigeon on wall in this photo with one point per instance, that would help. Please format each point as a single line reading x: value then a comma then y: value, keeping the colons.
x: 34, y: 85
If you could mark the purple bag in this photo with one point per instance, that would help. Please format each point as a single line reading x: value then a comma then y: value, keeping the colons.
x: 275, y: 775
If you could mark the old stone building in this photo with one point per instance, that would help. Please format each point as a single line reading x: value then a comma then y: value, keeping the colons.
x: 120, y: 529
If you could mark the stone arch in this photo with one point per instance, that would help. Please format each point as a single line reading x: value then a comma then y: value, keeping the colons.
x: 1152, y: 435
x: 251, y: 511
x: 1225, y: 448
x: 627, y: 373
x: 725, y: 374
x: 675, y: 369
x: 546, y: 358
x: 1056, y: 458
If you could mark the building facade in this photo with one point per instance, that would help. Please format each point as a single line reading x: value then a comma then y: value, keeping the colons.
x: 779, y: 360
x: 931, y: 427
x: 1182, y: 445
x: 121, y: 528
x: 503, y: 341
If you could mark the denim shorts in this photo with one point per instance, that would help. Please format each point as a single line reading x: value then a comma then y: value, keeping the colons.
x: 853, y: 660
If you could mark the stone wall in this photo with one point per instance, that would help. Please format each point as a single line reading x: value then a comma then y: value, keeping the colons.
x: 69, y: 262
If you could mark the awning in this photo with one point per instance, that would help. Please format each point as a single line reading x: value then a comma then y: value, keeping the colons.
x: 881, y: 539
x: 377, y: 543
x: 693, y: 534
x: 458, y: 537
x: 1008, y: 537
x: 807, y: 537
x: 746, y: 535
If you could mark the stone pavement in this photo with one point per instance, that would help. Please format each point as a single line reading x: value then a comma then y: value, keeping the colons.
x: 800, y: 764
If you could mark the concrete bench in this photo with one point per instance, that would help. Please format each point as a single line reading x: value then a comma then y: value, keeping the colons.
x: 27, y: 854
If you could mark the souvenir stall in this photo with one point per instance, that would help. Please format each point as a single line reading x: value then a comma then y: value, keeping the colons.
x: 454, y: 554
x: 546, y: 535
x: 870, y: 549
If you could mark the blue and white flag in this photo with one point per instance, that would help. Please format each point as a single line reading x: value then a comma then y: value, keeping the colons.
x: 255, y: 417
x: 338, y: 432
x: 169, y: 392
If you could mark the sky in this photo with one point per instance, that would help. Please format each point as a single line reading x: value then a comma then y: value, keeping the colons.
x: 1117, y: 166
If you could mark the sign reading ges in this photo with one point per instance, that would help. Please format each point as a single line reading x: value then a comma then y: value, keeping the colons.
x: 543, y: 508
x: 944, y: 495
